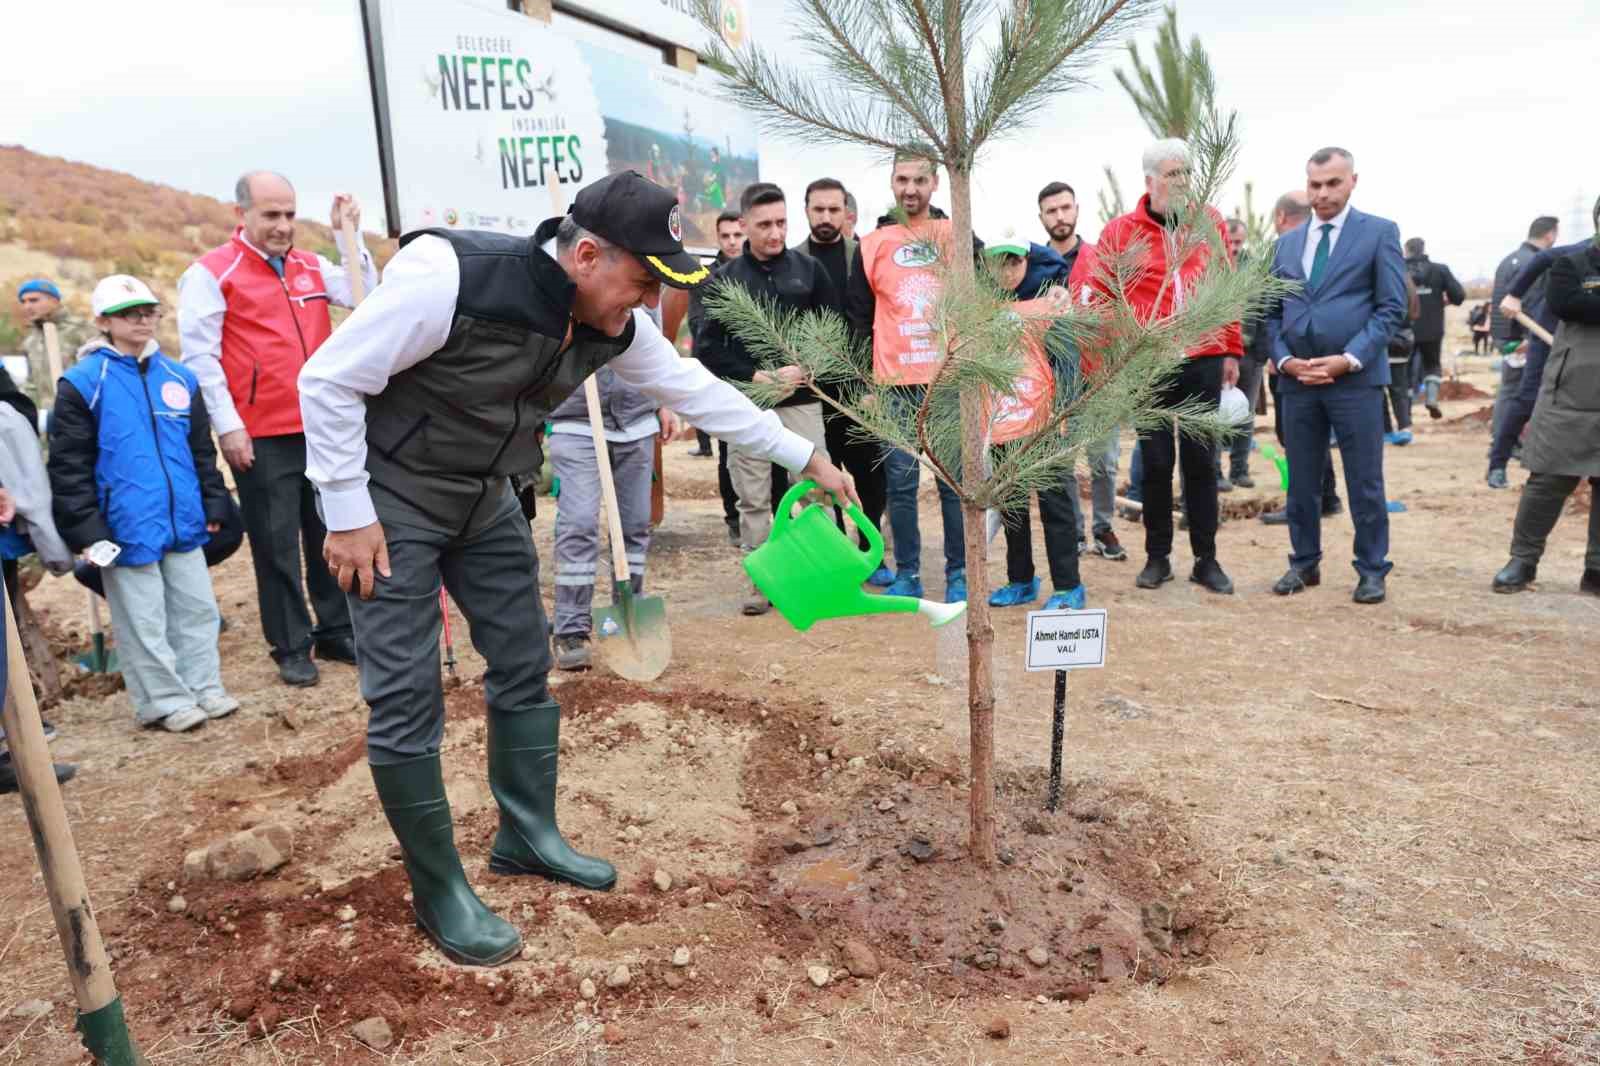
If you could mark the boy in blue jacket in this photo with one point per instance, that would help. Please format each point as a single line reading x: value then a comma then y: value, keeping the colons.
x: 132, y: 465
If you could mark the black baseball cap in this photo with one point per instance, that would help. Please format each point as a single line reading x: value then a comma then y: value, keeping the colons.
x: 635, y: 213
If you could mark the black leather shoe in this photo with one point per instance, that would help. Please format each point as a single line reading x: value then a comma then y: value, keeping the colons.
x: 298, y: 670
x: 1156, y: 573
x: 1279, y: 517
x: 1297, y: 581
x: 1332, y: 507
x: 1369, y: 589
x: 1516, y: 576
x: 523, y: 752
x: 337, y: 650
x: 1243, y: 481
x: 64, y: 771
x: 1590, y: 582
x: 1208, y: 573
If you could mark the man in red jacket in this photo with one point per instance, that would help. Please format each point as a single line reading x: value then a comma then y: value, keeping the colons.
x: 250, y: 314
x: 1157, y: 291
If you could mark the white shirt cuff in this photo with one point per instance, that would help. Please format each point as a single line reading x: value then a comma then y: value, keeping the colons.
x: 346, y: 509
x: 225, y: 421
x: 1355, y: 364
x: 792, y: 452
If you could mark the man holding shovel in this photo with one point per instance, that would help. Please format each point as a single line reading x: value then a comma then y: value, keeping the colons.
x: 417, y: 411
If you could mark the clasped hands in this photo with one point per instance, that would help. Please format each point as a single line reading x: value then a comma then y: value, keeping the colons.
x: 1319, y: 371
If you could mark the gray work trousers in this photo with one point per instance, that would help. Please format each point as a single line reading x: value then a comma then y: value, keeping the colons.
x: 1543, y: 499
x: 752, y: 473
x: 1251, y: 371
x: 1103, y: 457
x: 578, y: 555
x: 493, y: 577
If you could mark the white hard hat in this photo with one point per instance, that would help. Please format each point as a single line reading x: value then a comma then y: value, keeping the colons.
x: 120, y: 292
x: 1234, y: 408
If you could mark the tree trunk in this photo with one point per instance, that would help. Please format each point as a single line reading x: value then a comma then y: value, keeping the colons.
x: 980, y: 632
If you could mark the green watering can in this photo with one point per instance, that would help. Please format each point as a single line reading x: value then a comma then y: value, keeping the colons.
x: 810, y: 570
x: 1279, y: 461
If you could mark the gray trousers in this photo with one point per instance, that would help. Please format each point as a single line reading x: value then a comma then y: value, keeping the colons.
x: 578, y: 556
x: 1543, y: 499
x: 1251, y: 371
x: 164, y: 616
x: 752, y: 474
x: 1103, y: 459
x: 493, y: 577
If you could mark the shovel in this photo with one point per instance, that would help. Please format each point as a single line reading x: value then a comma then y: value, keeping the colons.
x: 631, y: 635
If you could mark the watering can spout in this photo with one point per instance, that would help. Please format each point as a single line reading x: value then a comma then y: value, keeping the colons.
x: 941, y: 613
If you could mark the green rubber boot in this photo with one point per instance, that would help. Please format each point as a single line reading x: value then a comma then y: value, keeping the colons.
x: 447, y: 909
x: 522, y: 776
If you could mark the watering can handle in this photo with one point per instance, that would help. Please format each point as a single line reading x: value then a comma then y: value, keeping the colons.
x: 797, y: 492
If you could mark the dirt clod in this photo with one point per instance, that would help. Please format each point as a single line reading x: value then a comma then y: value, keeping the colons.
x: 819, y: 975
x: 861, y: 960
x: 999, y: 1028
x: 373, y: 1032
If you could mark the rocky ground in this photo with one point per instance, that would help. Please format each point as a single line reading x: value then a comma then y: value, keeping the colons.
x: 1293, y: 832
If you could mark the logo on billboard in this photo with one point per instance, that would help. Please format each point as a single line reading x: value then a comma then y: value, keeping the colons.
x: 450, y: 216
x: 733, y: 23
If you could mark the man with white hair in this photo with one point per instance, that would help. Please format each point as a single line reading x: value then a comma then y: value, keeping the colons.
x: 1157, y: 291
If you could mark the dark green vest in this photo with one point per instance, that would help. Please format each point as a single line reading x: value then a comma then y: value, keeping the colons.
x: 444, y: 437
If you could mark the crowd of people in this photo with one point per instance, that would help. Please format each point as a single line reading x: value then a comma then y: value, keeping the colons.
x: 375, y: 463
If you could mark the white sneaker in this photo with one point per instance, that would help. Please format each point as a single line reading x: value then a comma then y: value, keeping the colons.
x: 184, y: 720
x: 219, y: 705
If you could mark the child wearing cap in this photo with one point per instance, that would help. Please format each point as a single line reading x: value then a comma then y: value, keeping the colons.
x: 1021, y: 415
x: 136, y: 485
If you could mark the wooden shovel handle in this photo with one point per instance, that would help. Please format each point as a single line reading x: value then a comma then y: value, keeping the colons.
x: 358, y: 280
x: 608, y: 487
x: 1534, y: 328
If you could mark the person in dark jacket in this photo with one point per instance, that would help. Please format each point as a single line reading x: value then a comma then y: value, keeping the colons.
x: 1436, y: 286
x: 1564, y: 439
x: 1506, y: 331
x: 132, y: 465
x: 1515, y: 410
x: 791, y: 281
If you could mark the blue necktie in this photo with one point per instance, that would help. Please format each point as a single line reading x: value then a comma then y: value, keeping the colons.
x: 1319, y: 261
x: 276, y: 261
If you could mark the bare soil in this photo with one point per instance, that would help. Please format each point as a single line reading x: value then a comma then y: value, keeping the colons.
x: 1293, y: 831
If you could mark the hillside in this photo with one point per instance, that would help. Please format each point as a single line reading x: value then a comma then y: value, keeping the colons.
x: 77, y: 223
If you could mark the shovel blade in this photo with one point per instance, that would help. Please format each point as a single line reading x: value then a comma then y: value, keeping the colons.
x: 632, y: 636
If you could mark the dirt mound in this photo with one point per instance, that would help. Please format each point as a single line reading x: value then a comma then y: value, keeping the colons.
x: 1249, y: 507
x: 1460, y: 390
x: 1478, y: 417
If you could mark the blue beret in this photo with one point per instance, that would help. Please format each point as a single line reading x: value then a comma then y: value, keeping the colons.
x: 44, y: 285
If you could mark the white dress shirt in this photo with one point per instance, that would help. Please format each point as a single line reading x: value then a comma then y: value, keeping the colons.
x: 201, y: 310
x: 408, y: 317
x: 1314, y: 238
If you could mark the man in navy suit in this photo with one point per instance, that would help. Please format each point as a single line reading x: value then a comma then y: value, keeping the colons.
x: 1330, y: 342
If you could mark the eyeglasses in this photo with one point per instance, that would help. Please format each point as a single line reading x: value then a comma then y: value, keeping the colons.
x: 140, y: 314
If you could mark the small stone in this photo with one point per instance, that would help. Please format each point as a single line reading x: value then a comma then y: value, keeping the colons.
x: 996, y: 923
x: 346, y: 913
x: 999, y: 1028
x: 837, y: 719
x: 1039, y: 956
x: 194, y: 865
x: 177, y: 905
x: 633, y: 832
x: 857, y: 762
x: 619, y: 978
x: 921, y: 849
x: 586, y: 989
x: 613, y: 1034
x: 886, y: 805
x: 30, y: 1009
x: 373, y: 1032
x: 1077, y: 992
x: 794, y: 845
x: 274, y: 978
x: 860, y: 960
x: 528, y: 953
x: 819, y: 975
x: 789, y: 807
x: 663, y: 881
x: 649, y: 814
x: 820, y: 758
x: 682, y: 957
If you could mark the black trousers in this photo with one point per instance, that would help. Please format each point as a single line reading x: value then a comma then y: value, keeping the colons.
x: 280, y: 517
x: 1544, y: 497
x: 862, y: 460
x: 1330, y: 484
x: 1163, y: 449
x: 1059, y: 512
x: 1399, y: 388
x: 730, y: 498
x: 1432, y: 366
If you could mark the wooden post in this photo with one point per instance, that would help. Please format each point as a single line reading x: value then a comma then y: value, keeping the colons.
x: 100, y: 1017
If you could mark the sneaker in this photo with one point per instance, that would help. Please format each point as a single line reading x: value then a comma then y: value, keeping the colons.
x: 336, y: 650
x: 955, y: 586
x: 1156, y: 572
x: 1070, y: 600
x: 64, y: 772
x: 1243, y: 481
x: 1399, y: 438
x: 881, y: 578
x: 1497, y: 478
x: 572, y: 652
x: 218, y: 705
x: 1107, y: 546
x: 905, y: 584
x: 1015, y: 594
x: 755, y: 603
x: 1223, y: 484
x: 298, y: 670
x: 181, y: 721
x: 1208, y: 574
x: 1280, y: 517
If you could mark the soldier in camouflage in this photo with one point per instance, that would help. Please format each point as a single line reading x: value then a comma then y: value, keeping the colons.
x: 41, y: 304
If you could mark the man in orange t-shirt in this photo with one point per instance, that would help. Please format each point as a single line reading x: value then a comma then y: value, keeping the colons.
x: 891, y: 299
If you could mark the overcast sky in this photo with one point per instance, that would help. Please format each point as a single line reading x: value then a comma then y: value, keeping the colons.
x: 1466, y: 119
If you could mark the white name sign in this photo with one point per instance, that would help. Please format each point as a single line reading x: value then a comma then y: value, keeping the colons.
x: 1066, y: 640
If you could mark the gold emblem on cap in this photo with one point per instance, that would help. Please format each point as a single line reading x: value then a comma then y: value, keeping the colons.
x: 695, y: 277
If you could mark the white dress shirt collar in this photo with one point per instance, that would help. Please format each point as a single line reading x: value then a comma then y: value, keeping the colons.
x: 1314, y: 236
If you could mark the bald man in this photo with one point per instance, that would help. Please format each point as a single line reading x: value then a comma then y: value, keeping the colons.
x: 250, y: 314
